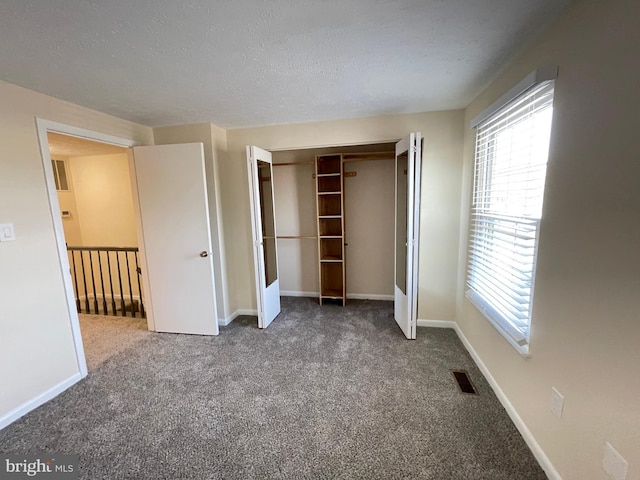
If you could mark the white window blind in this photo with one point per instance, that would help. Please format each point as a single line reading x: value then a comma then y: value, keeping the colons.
x: 512, y: 148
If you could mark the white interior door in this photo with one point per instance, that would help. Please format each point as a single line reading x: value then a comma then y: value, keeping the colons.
x: 406, y: 239
x: 263, y: 226
x: 176, y: 239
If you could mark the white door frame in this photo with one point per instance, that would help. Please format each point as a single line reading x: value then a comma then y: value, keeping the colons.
x: 43, y: 127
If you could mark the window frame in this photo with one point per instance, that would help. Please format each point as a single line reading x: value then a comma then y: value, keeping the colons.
x: 57, y: 177
x: 518, y: 339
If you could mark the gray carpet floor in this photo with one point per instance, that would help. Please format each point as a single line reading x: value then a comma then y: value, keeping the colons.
x: 104, y: 336
x: 324, y: 392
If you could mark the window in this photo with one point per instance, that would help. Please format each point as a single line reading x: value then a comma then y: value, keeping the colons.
x: 512, y: 148
x: 60, y: 174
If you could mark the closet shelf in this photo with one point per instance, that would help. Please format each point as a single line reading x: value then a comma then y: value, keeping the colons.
x: 330, y: 210
x: 299, y: 237
x: 332, y: 294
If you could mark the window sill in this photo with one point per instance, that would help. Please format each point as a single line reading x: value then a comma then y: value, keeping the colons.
x: 514, y: 339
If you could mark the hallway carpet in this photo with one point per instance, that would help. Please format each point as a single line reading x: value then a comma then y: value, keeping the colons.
x: 324, y: 392
x: 105, y: 336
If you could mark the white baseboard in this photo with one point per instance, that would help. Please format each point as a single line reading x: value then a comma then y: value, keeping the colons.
x: 533, y: 444
x: 295, y: 293
x: 352, y: 296
x: 223, y: 322
x: 436, y: 323
x: 369, y: 296
x: 38, y: 400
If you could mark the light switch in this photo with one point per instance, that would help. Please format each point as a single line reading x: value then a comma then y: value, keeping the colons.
x: 7, y: 234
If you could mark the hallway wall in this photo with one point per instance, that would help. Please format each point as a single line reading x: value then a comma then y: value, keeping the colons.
x: 102, y: 187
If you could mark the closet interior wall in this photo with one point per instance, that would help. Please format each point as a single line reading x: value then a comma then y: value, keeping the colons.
x: 369, y: 222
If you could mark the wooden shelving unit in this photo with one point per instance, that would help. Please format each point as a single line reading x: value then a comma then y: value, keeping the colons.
x: 330, y: 208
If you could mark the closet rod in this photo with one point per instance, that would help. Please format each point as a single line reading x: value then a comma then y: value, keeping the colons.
x: 348, y: 157
x: 359, y: 157
x: 309, y: 162
x: 297, y: 236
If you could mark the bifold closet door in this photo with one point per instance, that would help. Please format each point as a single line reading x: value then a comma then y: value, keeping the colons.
x: 407, y: 202
x: 263, y: 227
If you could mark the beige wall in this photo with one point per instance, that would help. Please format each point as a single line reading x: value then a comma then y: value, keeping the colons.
x: 36, y: 345
x: 214, y: 140
x: 294, y: 195
x: 369, y: 227
x: 586, y: 329
x: 102, y: 187
x: 443, y: 132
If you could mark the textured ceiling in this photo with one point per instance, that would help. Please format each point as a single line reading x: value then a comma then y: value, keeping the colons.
x: 258, y: 62
x: 68, y: 146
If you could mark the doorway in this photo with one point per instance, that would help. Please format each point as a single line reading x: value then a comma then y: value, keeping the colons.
x: 168, y: 186
x: 93, y: 187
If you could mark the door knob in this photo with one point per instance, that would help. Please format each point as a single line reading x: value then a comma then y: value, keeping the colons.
x: 204, y: 253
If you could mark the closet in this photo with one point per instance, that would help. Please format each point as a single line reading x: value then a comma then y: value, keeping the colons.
x: 335, y: 222
x: 366, y: 232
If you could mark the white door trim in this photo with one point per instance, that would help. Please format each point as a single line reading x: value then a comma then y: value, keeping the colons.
x: 415, y: 242
x: 43, y: 127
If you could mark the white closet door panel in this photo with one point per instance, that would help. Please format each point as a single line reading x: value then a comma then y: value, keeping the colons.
x: 263, y: 228
x: 407, y: 176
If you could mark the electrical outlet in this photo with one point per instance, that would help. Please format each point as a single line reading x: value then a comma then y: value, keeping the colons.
x: 614, y: 463
x: 557, y: 402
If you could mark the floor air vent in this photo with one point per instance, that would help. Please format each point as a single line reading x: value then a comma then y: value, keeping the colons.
x: 464, y: 383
